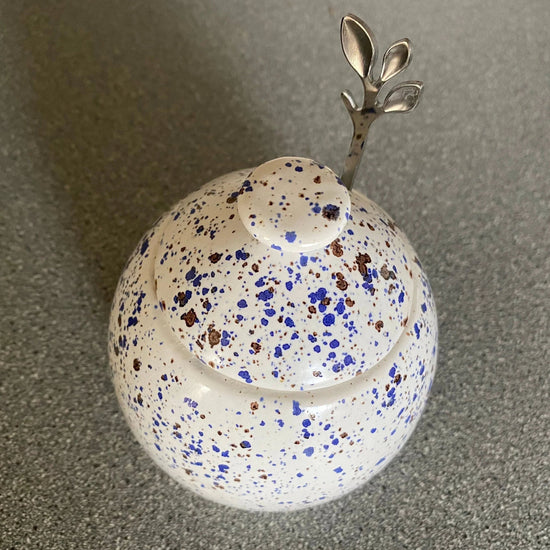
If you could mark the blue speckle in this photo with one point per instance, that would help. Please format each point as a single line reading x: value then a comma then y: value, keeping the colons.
x: 260, y: 282
x: 290, y: 236
x: 424, y: 308
x: 289, y: 322
x: 296, y: 409
x: 288, y: 285
x: 144, y: 246
x: 242, y: 303
x: 331, y: 211
x: 339, y: 470
x: 245, y: 375
x: 245, y: 444
x: 299, y: 169
x: 308, y: 451
x: 417, y: 330
x: 303, y: 260
x: 223, y: 468
x: 380, y: 461
x: 265, y: 295
x: 334, y: 344
x: 328, y: 320
x: 215, y: 448
x: 132, y: 321
x: 401, y: 297
x: 191, y: 274
x: 306, y: 422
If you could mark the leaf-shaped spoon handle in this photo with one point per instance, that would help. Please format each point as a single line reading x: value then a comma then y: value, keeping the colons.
x: 360, y: 50
x: 358, y: 46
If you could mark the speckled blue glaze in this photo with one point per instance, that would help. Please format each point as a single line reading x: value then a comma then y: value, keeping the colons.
x: 267, y: 378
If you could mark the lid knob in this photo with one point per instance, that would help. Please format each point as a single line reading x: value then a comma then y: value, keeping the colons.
x: 294, y: 204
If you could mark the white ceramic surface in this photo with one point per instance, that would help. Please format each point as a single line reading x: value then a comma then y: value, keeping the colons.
x: 273, y: 338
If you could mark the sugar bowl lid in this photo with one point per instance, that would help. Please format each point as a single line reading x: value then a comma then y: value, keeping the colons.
x: 281, y: 278
x: 294, y: 204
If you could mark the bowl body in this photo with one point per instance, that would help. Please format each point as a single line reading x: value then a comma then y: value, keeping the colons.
x: 250, y: 442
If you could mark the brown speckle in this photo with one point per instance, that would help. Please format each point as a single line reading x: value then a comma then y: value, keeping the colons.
x: 254, y: 405
x: 331, y: 212
x: 317, y: 179
x: 182, y: 300
x: 362, y: 260
x: 350, y: 302
x: 215, y: 258
x: 379, y: 325
x: 214, y: 337
x: 190, y: 317
x: 336, y: 248
x: 137, y: 364
x: 387, y: 273
x: 341, y: 283
x: 256, y: 347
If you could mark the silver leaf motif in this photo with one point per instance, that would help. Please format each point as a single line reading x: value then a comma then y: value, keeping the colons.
x: 360, y: 50
x: 396, y: 59
x: 403, y: 98
x: 358, y: 45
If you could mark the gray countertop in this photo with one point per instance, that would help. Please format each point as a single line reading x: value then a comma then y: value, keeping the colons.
x: 112, y: 111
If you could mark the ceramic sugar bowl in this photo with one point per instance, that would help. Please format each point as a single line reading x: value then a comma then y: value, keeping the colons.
x: 273, y: 338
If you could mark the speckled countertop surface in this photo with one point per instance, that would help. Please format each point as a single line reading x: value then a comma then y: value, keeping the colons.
x: 112, y: 111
